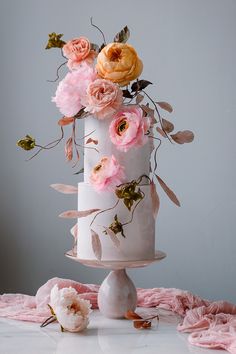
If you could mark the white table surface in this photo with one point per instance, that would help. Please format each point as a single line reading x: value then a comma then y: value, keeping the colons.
x: 102, y: 336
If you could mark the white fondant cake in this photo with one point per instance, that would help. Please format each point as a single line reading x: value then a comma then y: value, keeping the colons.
x: 139, y: 240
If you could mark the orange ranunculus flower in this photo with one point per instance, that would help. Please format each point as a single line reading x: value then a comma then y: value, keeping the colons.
x: 119, y: 62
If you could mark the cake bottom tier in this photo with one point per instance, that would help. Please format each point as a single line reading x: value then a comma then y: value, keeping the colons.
x: 139, y: 240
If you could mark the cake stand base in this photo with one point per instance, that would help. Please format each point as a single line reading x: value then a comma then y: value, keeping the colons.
x: 117, y: 293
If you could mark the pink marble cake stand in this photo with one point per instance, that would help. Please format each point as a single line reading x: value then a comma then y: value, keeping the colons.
x: 117, y: 293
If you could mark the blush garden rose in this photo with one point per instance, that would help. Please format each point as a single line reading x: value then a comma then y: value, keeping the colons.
x: 107, y: 174
x: 104, y: 98
x: 78, y: 50
x: 129, y: 128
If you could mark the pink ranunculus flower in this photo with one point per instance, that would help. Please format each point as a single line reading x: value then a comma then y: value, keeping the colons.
x: 71, y: 91
x: 104, y: 98
x: 129, y: 127
x: 78, y: 50
x: 71, y: 311
x: 107, y: 174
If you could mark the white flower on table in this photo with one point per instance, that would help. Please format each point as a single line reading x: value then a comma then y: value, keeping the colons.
x: 69, y: 309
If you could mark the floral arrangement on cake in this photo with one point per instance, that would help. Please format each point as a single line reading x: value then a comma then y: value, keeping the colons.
x: 103, y: 81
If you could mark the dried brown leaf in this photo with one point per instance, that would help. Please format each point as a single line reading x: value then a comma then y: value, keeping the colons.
x: 112, y: 236
x: 167, y: 126
x: 155, y: 200
x: 69, y: 149
x: 161, y: 132
x: 131, y: 315
x: 145, y: 324
x: 65, y: 121
x: 166, y: 106
x: 139, y: 98
x: 73, y: 214
x: 168, y: 191
x: 181, y: 137
x: 90, y: 140
x: 64, y: 188
x: 96, y: 245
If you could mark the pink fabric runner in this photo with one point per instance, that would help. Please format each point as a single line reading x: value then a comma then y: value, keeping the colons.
x: 211, y: 324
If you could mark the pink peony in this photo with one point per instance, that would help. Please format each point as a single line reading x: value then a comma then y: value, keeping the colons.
x: 72, y: 90
x: 78, y: 50
x: 71, y: 311
x: 104, y: 98
x: 128, y: 128
x: 107, y: 174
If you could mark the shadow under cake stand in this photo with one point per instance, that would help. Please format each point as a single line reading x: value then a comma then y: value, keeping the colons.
x: 117, y: 293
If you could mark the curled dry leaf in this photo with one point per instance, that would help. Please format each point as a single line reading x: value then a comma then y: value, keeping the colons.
x: 112, y: 236
x: 166, y: 106
x: 96, y: 245
x: 168, y: 191
x: 69, y: 149
x: 155, y: 200
x: 64, y: 188
x: 65, y: 121
x: 167, y: 126
x: 181, y: 137
x: 90, y: 140
x: 73, y: 214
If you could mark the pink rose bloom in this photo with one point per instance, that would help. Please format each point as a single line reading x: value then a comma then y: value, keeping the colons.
x: 128, y: 128
x: 72, y: 90
x: 71, y: 311
x: 78, y: 50
x: 104, y: 98
x: 107, y: 174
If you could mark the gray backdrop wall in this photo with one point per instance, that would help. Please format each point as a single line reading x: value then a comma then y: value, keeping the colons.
x: 189, y: 51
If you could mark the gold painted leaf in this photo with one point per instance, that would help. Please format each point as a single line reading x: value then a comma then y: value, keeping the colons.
x: 168, y: 191
x: 182, y: 137
x: 96, y: 245
x: 166, y: 106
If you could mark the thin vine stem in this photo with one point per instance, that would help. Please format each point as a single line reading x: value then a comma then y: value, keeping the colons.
x: 48, y: 146
x: 58, y: 69
x: 103, y: 211
x: 99, y: 29
x: 158, y: 113
x: 49, y: 320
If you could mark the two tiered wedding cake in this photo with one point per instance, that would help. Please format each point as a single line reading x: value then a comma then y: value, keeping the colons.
x: 118, y: 201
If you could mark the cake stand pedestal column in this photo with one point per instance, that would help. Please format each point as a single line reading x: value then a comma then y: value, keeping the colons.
x: 117, y: 293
